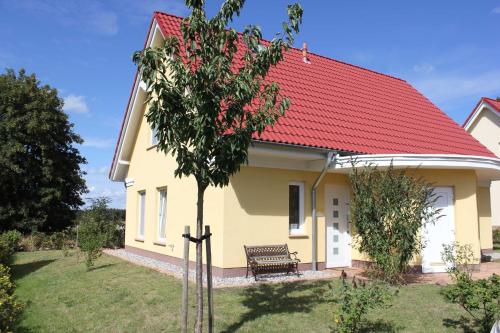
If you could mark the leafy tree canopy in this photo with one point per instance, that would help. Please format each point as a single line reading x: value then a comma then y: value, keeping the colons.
x: 201, y: 89
x: 40, y: 174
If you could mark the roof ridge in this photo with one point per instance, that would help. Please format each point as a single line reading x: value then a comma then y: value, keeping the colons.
x: 351, y: 65
x: 313, y: 53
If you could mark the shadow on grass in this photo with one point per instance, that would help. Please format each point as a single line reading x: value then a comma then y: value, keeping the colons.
x: 379, y: 326
x: 268, y: 299
x: 95, y: 268
x: 21, y: 270
x: 466, y: 324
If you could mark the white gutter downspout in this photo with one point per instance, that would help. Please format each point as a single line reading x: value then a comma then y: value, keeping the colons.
x: 329, y: 158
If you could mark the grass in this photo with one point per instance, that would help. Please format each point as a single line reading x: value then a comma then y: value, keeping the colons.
x: 116, y: 296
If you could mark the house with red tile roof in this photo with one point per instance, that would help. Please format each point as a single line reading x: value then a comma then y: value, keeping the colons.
x: 295, y: 188
x: 483, y: 124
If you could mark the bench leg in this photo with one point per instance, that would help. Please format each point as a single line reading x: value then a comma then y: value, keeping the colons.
x: 247, y: 271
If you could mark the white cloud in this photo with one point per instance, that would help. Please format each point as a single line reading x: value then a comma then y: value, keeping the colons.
x: 444, y: 88
x: 496, y: 10
x: 424, y: 68
x: 98, y: 143
x: 76, y: 104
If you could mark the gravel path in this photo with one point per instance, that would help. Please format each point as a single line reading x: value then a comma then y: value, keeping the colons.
x: 218, y: 282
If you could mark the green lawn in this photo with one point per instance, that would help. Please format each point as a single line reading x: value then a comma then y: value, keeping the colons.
x: 120, y: 297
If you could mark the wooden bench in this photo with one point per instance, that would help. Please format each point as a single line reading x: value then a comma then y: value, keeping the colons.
x: 271, y: 259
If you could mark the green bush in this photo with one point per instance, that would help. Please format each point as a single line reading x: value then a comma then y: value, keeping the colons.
x: 10, y: 307
x: 115, y: 234
x: 480, y: 298
x: 37, y: 241
x: 388, y: 210
x: 95, y: 230
x: 91, y: 239
x: 355, y: 299
x: 9, y: 243
x: 496, y: 236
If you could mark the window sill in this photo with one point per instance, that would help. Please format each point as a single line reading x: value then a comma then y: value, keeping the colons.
x: 160, y: 243
x: 139, y: 240
x: 298, y: 236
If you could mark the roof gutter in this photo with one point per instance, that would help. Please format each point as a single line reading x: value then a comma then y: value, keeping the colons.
x: 331, y: 157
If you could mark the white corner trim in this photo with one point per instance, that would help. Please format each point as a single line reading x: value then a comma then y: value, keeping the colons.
x: 448, y: 161
x: 139, y: 87
x: 477, y: 112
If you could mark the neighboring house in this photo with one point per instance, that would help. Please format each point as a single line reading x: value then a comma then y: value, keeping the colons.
x: 338, y: 111
x: 484, y: 124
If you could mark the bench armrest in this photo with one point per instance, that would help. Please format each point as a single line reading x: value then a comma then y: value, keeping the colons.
x: 294, y: 254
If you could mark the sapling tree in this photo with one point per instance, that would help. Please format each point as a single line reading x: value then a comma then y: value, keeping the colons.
x: 208, y: 97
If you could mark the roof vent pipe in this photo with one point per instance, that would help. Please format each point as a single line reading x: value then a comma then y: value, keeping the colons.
x: 305, y: 58
x: 329, y: 158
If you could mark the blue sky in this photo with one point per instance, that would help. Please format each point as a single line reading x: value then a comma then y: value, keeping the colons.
x: 449, y: 50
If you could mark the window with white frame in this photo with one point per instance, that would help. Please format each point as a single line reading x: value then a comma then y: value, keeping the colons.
x: 154, y: 139
x: 142, y: 214
x: 296, y: 207
x: 162, y: 214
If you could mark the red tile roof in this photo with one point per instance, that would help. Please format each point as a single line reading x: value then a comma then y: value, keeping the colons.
x: 495, y: 103
x: 339, y: 106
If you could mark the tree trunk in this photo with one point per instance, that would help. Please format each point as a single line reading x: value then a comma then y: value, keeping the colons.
x: 185, y: 282
x: 199, y: 262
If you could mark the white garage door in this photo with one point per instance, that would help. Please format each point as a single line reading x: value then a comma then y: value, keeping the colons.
x: 440, y: 233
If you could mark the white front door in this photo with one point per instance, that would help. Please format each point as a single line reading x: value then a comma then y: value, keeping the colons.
x: 435, y: 235
x: 338, y: 240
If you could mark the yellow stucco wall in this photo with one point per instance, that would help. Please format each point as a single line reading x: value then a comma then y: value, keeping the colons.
x: 484, y: 215
x: 150, y: 170
x: 256, y: 210
x: 486, y: 129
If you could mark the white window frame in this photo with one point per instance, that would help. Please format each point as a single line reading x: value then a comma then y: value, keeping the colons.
x: 300, y: 229
x: 162, y: 215
x: 141, y: 214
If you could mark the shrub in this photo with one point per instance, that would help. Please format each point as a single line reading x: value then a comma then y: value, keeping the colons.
x: 10, y: 307
x: 115, y: 234
x: 496, y: 236
x: 481, y: 298
x: 91, y: 239
x: 355, y: 299
x: 37, y: 241
x: 388, y: 210
x: 9, y: 243
x: 94, y: 230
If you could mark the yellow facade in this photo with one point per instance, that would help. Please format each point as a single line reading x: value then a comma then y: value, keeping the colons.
x: 253, y: 209
x: 486, y: 129
x: 484, y: 213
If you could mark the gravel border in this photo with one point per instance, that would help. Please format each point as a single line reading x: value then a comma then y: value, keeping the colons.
x: 218, y: 282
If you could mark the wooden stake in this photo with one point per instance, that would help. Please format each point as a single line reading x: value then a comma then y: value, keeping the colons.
x: 209, y: 281
x: 185, y: 276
